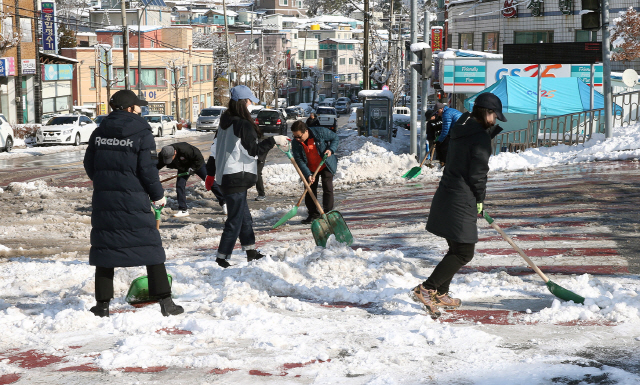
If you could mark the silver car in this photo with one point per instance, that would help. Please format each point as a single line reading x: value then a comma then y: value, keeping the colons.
x: 209, y: 119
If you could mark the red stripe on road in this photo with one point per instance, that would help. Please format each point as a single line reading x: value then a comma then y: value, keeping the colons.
x: 565, y: 270
x: 7, y: 379
x: 137, y: 369
x: 549, y: 238
x: 81, y: 368
x: 33, y: 359
x: 506, y: 317
x: 550, y: 252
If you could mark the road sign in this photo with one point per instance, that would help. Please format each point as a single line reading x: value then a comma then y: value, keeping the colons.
x: 336, y: 76
x: 385, y: 87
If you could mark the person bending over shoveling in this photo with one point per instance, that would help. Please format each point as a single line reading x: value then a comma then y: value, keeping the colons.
x: 187, y: 159
x: 453, y: 214
x: 308, y: 148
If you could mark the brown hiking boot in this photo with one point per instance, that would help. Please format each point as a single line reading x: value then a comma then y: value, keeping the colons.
x: 427, y: 299
x: 443, y: 300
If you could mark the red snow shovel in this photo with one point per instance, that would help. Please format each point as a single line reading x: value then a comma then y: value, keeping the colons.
x: 329, y: 223
x: 294, y: 211
x: 553, y: 287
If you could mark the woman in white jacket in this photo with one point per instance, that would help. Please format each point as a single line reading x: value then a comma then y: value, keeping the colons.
x: 236, y: 170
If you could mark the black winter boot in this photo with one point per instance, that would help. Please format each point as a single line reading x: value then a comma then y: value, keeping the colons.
x: 101, y: 309
x: 222, y: 262
x: 168, y: 307
x: 252, y: 255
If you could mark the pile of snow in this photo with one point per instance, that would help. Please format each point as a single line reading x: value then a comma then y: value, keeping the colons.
x: 624, y: 144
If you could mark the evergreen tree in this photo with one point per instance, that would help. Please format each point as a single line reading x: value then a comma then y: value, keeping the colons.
x: 67, y: 37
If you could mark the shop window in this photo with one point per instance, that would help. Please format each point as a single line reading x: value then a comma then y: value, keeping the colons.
x: 465, y: 41
x: 490, y: 42
x: 531, y: 37
x: 586, y: 36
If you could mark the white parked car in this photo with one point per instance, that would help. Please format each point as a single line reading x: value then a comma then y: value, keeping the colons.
x: 209, y: 118
x: 402, y: 111
x: 161, y: 124
x: 6, y: 135
x: 66, y: 129
x: 328, y: 117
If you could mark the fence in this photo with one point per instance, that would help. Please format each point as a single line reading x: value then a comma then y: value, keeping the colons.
x: 570, y: 128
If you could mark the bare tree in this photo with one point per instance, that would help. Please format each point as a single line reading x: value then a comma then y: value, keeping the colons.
x: 8, y: 38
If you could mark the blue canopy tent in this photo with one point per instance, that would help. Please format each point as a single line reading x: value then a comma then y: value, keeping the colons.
x: 559, y: 96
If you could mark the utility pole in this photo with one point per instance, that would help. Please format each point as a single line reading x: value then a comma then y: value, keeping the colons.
x: 414, y: 81
x: 365, y: 76
x: 389, y: 41
x: 125, y: 44
x: 606, y: 70
x: 425, y: 90
x: 108, y: 65
x: 38, y: 80
x: 176, y: 86
x: 226, y: 35
x: 18, y: 79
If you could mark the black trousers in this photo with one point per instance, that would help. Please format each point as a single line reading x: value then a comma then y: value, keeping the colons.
x: 327, y: 193
x: 459, y: 254
x: 158, y: 282
x: 260, y: 182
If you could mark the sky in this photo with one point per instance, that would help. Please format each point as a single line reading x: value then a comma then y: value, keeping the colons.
x: 306, y: 311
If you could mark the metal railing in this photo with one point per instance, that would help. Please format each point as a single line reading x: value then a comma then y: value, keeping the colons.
x: 569, y: 129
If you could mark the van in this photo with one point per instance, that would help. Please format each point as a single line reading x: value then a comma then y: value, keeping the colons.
x: 282, y: 102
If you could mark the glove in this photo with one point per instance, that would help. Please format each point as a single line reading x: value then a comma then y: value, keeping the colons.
x: 160, y: 202
x: 208, y: 182
x: 479, y: 207
x: 281, y: 140
x: 191, y: 172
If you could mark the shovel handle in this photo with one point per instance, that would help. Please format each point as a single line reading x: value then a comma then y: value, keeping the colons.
x: 425, y: 159
x: 306, y: 185
x: 515, y: 247
x: 174, y: 177
x: 314, y: 175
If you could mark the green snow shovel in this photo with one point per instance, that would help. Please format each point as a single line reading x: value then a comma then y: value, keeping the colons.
x: 553, y: 287
x: 415, y: 171
x: 329, y: 223
x: 139, y: 290
x: 294, y: 211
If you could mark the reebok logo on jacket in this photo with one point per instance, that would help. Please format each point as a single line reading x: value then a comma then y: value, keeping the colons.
x: 114, y: 142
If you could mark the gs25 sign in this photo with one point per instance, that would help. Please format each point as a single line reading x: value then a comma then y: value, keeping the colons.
x: 543, y: 93
x: 528, y: 71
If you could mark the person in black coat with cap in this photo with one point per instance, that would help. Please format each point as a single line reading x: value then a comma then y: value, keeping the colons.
x: 460, y: 198
x: 187, y: 159
x: 120, y: 160
x: 434, y: 126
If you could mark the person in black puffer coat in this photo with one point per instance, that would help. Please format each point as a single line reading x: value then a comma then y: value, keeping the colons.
x: 312, y: 120
x: 120, y: 160
x: 460, y: 198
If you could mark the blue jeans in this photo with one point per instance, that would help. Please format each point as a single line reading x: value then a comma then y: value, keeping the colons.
x: 181, y: 188
x: 239, y: 224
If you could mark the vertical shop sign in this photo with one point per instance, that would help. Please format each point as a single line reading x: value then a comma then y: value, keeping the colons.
x: 49, y: 41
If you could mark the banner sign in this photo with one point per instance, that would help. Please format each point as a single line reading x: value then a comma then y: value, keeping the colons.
x: 49, y: 40
x: 3, y: 69
x: 9, y: 66
x: 472, y: 75
x: 58, y: 71
x: 28, y: 66
x: 436, y: 38
x: 509, y: 9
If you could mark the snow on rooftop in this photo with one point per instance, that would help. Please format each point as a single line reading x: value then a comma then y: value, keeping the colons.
x: 452, y: 53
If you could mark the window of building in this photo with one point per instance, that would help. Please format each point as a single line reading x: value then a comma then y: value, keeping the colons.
x: 349, y: 77
x: 490, y: 42
x: 465, y: 41
x: 350, y: 60
x: 117, y: 41
x: 317, y: 36
x: 194, y: 73
x: 299, y: 3
x: 343, y: 61
x: 586, y: 36
x: 284, y: 3
x: 327, y: 77
x: 209, y: 75
x: 530, y: 37
x: 300, y: 55
x: 312, y: 54
x: 342, y: 77
x: 201, y: 73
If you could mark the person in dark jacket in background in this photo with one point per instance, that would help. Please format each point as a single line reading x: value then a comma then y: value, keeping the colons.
x: 308, y: 148
x: 312, y: 120
x: 262, y: 159
x: 434, y: 126
x: 236, y: 169
x: 460, y: 198
x: 187, y: 159
x: 120, y: 160
x: 449, y: 118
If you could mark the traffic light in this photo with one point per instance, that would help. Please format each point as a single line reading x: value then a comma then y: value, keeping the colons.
x: 423, y: 65
x: 591, y: 20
